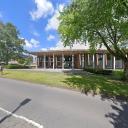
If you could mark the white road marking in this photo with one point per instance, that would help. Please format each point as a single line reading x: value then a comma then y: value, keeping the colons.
x: 23, y: 118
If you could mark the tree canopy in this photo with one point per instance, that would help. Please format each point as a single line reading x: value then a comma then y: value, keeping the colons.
x: 101, y: 23
x: 11, y: 45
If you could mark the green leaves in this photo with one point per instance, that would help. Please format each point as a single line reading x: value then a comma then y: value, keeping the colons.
x: 11, y: 46
x: 98, y: 21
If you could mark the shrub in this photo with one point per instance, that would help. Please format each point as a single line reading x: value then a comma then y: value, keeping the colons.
x: 16, y: 66
x: 99, y: 71
x: 118, y: 74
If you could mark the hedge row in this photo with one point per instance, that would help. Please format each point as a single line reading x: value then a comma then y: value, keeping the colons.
x: 16, y: 66
x: 99, y: 71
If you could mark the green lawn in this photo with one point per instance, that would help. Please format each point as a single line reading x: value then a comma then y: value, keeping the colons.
x: 87, y: 83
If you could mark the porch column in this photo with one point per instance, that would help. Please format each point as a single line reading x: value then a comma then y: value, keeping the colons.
x: 72, y: 61
x: 53, y: 61
x: 82, y: 60
x: 62, y: 61
x: 114, y: 62
x: 106, y: 59
x: 97, y: 60
x: 36, y: 62
x: 49, y: 62
x: 93, y: 60
x: 103, y: 61
x: 44, y: 61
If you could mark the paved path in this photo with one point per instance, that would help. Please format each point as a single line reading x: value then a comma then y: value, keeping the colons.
x: 26, y: 105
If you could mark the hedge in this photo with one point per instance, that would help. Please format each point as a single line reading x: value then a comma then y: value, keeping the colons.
x: 99, y: 71
x: 16, y: 66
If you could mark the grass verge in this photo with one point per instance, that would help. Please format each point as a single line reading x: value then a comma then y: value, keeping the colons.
x: 87, y: 83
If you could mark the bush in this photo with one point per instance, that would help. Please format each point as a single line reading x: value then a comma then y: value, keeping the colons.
x: 99, y: 71
x: 16, y: 66
x: 118, y: 74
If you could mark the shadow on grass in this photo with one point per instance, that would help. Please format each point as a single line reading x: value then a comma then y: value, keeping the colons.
x: 119, y: 117
x: 107, y: 87
x: 24, y: 102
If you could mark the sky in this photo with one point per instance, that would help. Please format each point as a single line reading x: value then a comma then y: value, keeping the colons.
x: 36, y: 20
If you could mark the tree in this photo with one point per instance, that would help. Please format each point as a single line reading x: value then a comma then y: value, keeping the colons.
x: 25, y: 60
x: 101, y: 23
x: 11, y: 46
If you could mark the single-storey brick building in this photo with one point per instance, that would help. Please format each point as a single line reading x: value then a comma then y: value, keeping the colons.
x: 77, y: 59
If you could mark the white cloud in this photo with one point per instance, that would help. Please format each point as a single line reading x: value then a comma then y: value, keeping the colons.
x: 43, y: 8
x: 53, y: 22
x: 32, y: 43
x: 50, y: 37
x: 44, y: 49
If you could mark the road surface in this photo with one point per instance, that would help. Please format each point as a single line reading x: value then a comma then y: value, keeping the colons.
x: 27, y: 105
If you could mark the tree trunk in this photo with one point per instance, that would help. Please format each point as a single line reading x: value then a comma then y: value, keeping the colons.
x: 126, y: 70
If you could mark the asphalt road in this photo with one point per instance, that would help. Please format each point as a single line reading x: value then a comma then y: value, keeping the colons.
x: 27, y: 105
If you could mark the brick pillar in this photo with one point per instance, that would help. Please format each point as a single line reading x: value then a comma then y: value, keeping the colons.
x: 53, y: 61
x: 62, y: 61
x: 56, y: 61
x: 80, y: 60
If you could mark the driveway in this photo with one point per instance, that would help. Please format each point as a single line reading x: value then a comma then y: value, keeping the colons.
x: 27, y: 105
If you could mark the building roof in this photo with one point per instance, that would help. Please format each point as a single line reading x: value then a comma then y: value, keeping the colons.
x: 65, y: 51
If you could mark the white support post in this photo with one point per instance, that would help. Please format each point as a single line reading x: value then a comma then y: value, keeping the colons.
x: 38, y: 62
x: 82, y: 60
x: 53, y: 61
x: 93, y: 60
x: 114, y: 62
x: 72, y: 61
x: 44, y: 61
x: 62, y: 61
x: 103, y: 61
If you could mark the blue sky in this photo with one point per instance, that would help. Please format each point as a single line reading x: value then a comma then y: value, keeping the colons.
x: 35, y: 19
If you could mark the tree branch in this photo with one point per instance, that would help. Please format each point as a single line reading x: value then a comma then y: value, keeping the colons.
x: 105, y: 43
x: 117, y: 51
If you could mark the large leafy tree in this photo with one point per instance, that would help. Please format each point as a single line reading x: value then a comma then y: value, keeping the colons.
x: 101, y: 23
x: 11, y: 45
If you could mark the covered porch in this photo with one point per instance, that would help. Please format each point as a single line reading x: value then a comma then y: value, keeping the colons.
x: 77, y: 59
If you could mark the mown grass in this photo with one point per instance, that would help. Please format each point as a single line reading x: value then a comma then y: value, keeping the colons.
x: 48, y: 78
x: 97, y: 84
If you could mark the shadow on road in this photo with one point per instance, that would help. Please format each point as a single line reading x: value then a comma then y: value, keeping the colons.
x: 109, y: 90
x: 24, y: 102
x: 119, y: 117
